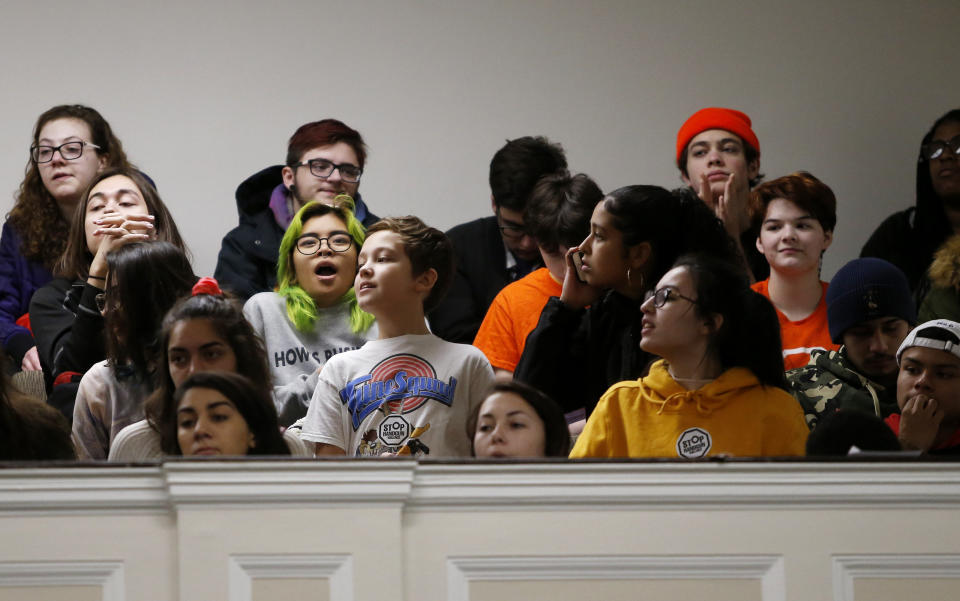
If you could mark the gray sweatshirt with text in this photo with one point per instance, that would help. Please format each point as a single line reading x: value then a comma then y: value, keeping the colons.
x: 296, y: 357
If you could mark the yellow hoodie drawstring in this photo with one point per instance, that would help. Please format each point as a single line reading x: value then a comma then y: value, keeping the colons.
x: 677, y: 399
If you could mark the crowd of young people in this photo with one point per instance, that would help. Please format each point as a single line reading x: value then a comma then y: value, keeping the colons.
x: 638, y: 323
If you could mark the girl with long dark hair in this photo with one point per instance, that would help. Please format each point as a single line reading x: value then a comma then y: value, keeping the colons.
x: 719, y: 388
x: 204, y: 332
x: 224, y: 413
x: 587, y: 339
x: 144, y: 281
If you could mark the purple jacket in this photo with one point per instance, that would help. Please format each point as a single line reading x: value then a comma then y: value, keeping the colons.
x: 19, y: 279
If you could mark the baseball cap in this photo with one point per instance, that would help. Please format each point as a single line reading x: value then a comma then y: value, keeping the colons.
x: 939, y: 334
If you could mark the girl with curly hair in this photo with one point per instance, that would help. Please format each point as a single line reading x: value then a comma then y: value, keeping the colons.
x: 71, y: 144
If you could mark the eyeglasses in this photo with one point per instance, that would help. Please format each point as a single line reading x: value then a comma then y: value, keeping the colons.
x: 511, y: 231
x: 68, y: 150
x: 323, y: 168
x: 936, y: 148
x: 665, y: 295
x: 309, y: 244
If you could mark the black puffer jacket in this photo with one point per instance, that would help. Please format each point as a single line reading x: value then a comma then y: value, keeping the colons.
x: 247, y: 263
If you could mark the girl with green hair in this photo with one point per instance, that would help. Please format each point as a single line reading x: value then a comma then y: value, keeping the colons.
x: 313, y: 314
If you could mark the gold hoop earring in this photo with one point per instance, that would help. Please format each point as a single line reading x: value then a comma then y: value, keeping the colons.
x: 630, y: 280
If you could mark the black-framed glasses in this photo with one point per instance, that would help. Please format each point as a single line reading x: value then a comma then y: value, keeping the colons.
x: 68, y: 150
x: 511, y: 231
x: 338, y: 242
x: 664, y: 295
x: 937, y: 148
x: 323, y: 169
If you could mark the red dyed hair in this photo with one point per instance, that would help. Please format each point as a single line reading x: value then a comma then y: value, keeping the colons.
x: 325, y: 133
x: 802, y: 189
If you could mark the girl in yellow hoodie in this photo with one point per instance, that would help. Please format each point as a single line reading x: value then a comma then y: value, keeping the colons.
x: 719, y: 388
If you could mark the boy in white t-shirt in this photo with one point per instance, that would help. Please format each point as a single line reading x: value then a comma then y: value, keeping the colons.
x: 408, y: 392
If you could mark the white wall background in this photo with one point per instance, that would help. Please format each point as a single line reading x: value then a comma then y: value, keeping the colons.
x: 203, y: 94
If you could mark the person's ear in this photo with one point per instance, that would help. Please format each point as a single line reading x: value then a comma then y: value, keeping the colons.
x: 287, y: 174
x: 639, y: 255
x: 713, y: 323
x: 425, y: 281
x: 827, y: 239
x: 251, y: 441
x: 759, y: 244
x: 493, y: 204
x: 103, y: 161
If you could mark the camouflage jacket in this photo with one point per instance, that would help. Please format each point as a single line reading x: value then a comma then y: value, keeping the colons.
x: 828, y: 383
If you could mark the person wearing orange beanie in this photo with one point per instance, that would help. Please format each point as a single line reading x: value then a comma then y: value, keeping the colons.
x: 718, y: 155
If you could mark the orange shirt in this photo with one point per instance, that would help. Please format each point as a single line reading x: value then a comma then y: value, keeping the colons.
x: 799, y: 337
x: 512, y: 315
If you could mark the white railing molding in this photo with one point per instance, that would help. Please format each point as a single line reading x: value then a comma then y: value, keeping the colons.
x: 847, y: 568
x: 466, y: 486
x: 108, y: 489
x: 768, y: 569
x: 337, y: 569
x: 108, y: 575
x: 626, y: 485
x: 306, y: 482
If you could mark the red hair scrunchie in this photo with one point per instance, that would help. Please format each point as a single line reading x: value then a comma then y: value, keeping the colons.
x: 206, y: 286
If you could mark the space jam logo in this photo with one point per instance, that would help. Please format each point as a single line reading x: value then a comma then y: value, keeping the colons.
x: 398, y: 384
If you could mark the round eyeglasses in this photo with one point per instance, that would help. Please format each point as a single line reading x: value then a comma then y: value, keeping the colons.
x: 68, y: 150
x: 323, y: 169
x: 664, y: 295
x: 338, y: 242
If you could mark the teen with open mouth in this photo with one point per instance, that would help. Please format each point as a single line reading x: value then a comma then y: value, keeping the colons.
x: 313, y: 315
